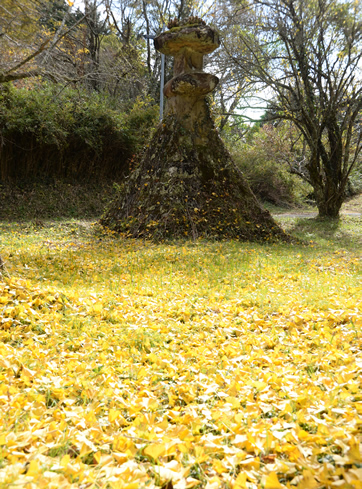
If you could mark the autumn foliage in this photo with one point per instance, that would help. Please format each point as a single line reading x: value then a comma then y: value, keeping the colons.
x: 222, y: 365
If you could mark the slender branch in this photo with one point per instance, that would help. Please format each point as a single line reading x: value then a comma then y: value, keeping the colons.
x: 28, y: 58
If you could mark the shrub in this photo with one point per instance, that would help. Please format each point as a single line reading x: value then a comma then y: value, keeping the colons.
x: 264, y: 161
x: 51, y: 133
x: 355, y: 181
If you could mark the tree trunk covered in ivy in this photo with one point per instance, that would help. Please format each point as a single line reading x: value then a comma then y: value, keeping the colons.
x: 185, y: 184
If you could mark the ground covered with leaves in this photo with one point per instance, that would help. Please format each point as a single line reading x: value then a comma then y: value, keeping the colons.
x: 126, y: 364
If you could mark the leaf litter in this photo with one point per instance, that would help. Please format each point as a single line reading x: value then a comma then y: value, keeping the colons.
x: 127, y: 365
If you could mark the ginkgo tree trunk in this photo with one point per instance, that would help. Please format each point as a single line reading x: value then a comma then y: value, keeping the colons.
x: 186, y: 184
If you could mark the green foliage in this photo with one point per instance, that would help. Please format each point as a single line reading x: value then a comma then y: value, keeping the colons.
x: 264, y: 159
x: 355, y: 181
x: 53, y: 13
x: 142, y: 117
x: 67, y: 133
x: 52, y: 115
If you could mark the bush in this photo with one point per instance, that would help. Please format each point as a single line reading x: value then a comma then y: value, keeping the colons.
x: 263, y: 160
x: 355, y: 181
x: 51, y: 133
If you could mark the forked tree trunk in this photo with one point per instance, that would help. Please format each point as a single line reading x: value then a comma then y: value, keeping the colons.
x: 328, y: 182
x: 186, y: 184
x: 329, y: 200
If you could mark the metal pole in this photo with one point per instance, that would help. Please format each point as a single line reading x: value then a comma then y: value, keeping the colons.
x: 162, y: 83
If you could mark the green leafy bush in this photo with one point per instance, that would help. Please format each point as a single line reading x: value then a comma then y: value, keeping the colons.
x: 66, y: 133
x: 355, y: 181
x: 264, y: 161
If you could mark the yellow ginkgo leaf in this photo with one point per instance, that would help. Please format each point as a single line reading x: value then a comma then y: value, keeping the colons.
x: 240, y: 481
x: 155, y: 450
x: 272, y: 481
x: 33, y: 468
x: 65, y: 460
x: 113, y: 415
x: 308, y: 480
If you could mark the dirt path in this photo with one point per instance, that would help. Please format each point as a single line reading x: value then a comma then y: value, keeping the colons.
x: 312, y: 214
x: 352, y: 208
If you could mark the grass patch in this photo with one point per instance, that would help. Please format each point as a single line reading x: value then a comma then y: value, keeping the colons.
x: 129, y: 364
x: 345, y: 233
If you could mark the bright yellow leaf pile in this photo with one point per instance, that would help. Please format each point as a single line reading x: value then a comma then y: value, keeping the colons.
x: 131, y: 365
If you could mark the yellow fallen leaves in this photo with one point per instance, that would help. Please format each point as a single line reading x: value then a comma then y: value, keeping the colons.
x: 152, y: 372
x: 271, y: 481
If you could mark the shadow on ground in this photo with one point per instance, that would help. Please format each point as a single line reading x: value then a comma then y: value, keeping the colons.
x: 59, y: 200
x: 346, y: 230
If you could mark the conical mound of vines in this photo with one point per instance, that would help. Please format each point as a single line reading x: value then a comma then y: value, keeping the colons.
x: 184, y: 186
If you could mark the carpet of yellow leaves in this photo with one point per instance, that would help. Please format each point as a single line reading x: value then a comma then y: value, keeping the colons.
x: 130, y: 365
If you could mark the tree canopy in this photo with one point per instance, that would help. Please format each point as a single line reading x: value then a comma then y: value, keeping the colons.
x: 303, y: 56
x: 309, y: 54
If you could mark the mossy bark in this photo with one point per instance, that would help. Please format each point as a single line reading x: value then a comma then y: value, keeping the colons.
x: 186, y: 185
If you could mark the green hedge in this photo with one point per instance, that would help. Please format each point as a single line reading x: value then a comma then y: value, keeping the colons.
x: 50, y: 133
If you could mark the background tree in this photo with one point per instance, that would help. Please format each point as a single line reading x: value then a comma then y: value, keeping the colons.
x: 30, y: 31
x: 232, y: 88
x: 146, y: 19
x: 308, y: 53
x: 103, y: 45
